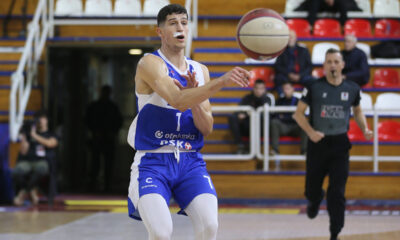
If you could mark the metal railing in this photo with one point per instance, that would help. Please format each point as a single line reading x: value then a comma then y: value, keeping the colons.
x: 266, y: 110
x: 257, y: 151
x: 190, y: 5
x: 21, y: 80
x: 252, y: 138
x: 42, y: 27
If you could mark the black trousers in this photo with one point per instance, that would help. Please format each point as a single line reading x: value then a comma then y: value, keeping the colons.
x: 330, y: 156
x: 320, y: 6
x: 239, y: 128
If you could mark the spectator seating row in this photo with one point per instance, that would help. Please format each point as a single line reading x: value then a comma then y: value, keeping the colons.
x: 388, y: 131
x: 381, y: 8
x: 383, y: 77
x: 330, y: 28
x: 319, y: 49
x: 104, y: 7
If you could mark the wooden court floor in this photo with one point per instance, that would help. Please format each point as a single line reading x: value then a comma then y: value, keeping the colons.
x: 243, y: 224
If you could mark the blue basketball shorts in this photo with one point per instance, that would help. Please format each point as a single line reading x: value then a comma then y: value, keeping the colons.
x: 163, y: 174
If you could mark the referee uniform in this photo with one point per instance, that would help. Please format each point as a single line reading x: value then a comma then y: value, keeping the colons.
x: 330, y: 108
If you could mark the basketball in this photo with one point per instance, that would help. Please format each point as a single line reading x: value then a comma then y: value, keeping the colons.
x: 262, y: 34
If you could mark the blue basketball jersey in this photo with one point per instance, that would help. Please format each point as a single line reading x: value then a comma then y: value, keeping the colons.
x: 158, y: 124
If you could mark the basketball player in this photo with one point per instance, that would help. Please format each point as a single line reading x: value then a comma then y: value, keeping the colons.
x: 330, y: 99
x: 174, y: 115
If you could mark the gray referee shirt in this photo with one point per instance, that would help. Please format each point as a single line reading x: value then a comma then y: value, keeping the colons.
x: 330, y: 105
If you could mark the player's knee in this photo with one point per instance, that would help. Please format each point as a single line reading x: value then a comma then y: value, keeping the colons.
x: 210, y: 230
x: 162, y: 233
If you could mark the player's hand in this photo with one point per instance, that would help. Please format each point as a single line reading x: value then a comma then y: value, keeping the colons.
x: 191, y: 81
x: 33, y: 131
x: 242, y: 116
x: 368, y: 134
x: 294, y: 77
x: 316, y: 136
x: 238, y: 76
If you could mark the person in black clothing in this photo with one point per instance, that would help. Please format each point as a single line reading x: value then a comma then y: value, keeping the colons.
x: 239, y: 122
x: 315, y: 6
x: 104, y: 120
x: 37, y: 144
x: 282, y: 124
x: 293, y: 65
x: 330, y: 99
x: 356, y: 64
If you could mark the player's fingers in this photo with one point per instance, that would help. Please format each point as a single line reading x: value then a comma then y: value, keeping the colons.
x: 177, y: 83
x: 243, y: 71
x: 239, y: 80
x: 239, y: 76
x: 191, y: 78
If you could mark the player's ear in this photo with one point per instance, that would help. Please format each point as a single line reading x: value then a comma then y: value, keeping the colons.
x: 159, y: 31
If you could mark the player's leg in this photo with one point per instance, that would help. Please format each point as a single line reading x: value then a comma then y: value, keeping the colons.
x: 338, y: 174
x: 156, y: 216
x: 195, y: 193
x: 316, y: 169
x: 149, y: 193
x: 203, y: 211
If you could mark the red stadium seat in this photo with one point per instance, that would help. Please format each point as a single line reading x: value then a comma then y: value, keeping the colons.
x: 289, y: 139
x: 389, y: 130
x: 355, y: 133
x: 327, y: 28
x: 387, y: 28
x: 263, y: 73
x: 300, y: 26
x: 386, y: 78
x: 358, y: 27
x: 318, y: 72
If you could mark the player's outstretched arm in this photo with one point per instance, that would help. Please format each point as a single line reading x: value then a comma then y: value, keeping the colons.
x: 301, y: 119
x: 152, y: 70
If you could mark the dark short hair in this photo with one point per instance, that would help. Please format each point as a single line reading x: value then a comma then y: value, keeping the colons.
x: 168, y: 10
x: 259, y: 81
x: 39, y: 114
x: 287, y: 82
x: 333, y: 50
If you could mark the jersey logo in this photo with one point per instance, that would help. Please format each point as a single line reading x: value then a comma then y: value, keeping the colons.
x: 324, y: 95
x: 344, y: 96
x: 159, y: 134
x: 188, y: 146
x: 332, y: 111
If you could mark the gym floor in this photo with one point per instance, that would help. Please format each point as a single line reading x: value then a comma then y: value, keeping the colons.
x: 102, y: 217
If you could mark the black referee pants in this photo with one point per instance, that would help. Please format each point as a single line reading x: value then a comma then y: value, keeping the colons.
x: 330, y: 156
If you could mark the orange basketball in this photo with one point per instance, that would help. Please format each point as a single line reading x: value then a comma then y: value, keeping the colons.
x: 262, y: 34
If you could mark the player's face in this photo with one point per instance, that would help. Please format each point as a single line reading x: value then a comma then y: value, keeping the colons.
x: 259, y: 90
x: 333, y: 63
x: 174, y: 30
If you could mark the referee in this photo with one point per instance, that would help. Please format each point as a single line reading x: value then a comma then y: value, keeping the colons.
x: 330, y: 99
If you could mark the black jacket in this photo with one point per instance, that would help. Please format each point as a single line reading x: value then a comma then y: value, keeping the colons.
x: 303, y: 59
x: 356, y: 66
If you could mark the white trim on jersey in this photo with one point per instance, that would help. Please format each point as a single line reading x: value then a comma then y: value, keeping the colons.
x: 157, y: 100
x: 133, y: 192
